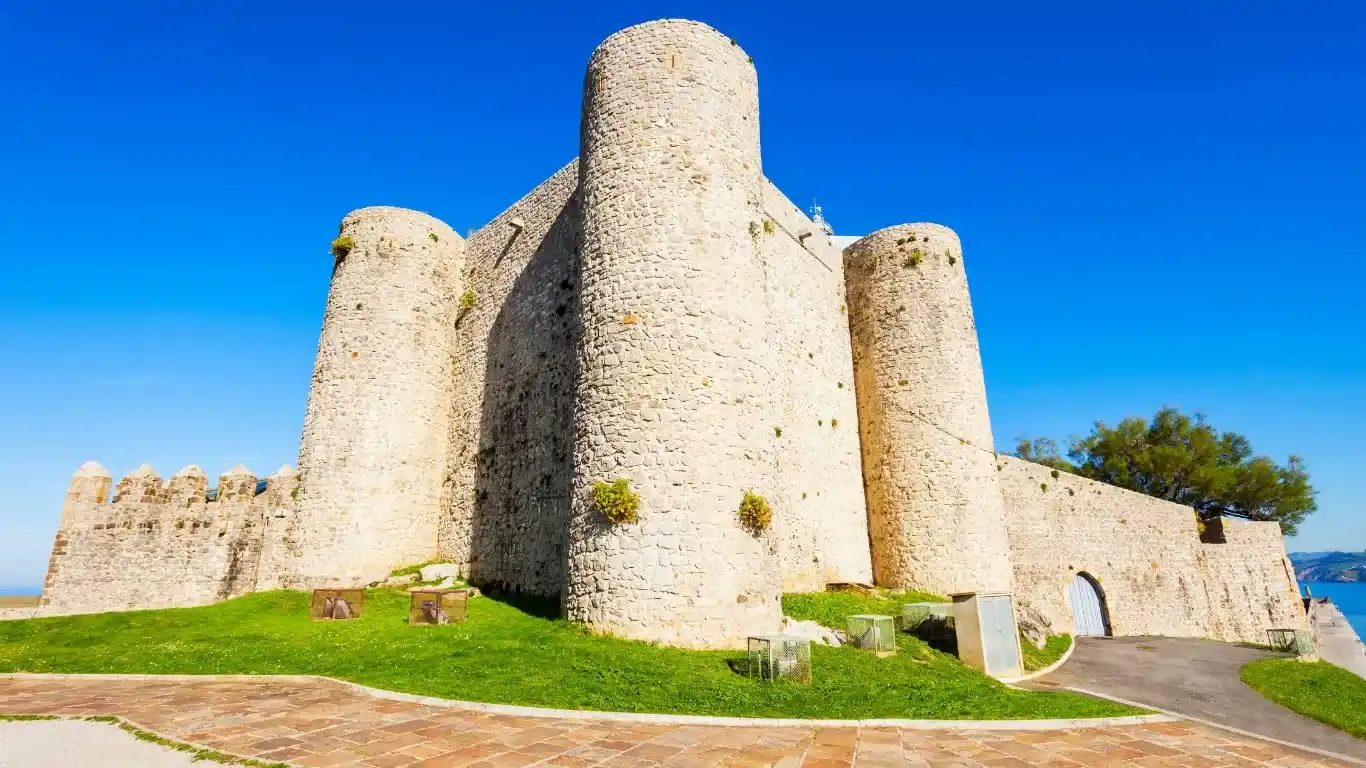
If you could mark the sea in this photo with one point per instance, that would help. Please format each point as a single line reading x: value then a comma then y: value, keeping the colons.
x: 1350, y: 599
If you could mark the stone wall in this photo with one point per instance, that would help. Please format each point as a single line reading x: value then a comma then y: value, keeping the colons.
x: 820, y: 520
x: 160, y: 545
x: 377, y: 426
x: 934, y: 507
x: 1155, y: 575
x: 675, y: 390
x: 511, y: 433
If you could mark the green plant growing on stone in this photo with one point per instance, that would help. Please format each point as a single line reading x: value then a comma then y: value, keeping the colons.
x: 616, y: 502
x: 294, y: 494
x: 777, y: 431
x: 433, y: 236
x: 839, y: 385
x: 768, y: 226
x: 755, y: 231
x: 912, y: 259
x: 1043, y: 487
x: 952, y: 260
x: 467, y: 300
x: 342, y: 246
x: 834, y: 423
x: 904, y: 382
x: 754, y: 513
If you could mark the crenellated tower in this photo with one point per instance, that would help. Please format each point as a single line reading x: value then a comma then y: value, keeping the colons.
x: 936, y: 517
x: 375, y: 437
x: 675, y: 387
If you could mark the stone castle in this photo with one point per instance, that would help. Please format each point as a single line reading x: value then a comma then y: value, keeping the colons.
x: 658, y: 311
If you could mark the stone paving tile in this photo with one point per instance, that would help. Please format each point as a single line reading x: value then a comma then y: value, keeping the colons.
x: 321, y: 725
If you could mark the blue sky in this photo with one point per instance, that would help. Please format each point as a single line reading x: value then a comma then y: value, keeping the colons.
x: 1159, y: 204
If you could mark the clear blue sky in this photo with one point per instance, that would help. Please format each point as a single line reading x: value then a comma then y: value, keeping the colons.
x: 1162, y: 204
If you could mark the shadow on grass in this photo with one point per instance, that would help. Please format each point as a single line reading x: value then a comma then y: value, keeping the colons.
x: 533, y: 605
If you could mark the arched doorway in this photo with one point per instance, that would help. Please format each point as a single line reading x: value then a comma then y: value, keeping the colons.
x: 1088, y: 607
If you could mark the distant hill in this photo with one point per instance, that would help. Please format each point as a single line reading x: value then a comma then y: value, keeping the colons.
x: 1344, y: 567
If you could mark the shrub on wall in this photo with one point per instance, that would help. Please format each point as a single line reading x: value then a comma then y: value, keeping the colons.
x: 755, y: 514
x: 342, y: 246
x: 467, y: 300
x: 616, y: 501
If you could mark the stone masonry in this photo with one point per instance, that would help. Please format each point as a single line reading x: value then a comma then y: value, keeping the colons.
x: 658, y: 311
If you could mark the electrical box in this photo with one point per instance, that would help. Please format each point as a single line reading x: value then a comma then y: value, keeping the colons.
x: 988, y: 640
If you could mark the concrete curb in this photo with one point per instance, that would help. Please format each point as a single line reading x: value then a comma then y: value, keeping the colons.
x: 640, y: 717
x: 1220, y: 726
x: 1067, y: 654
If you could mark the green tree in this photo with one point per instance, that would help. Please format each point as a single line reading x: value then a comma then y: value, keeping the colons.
x: 1183, y: 459
x: 1042, y: 450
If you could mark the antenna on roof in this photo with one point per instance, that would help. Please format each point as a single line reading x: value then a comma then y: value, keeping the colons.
x: 818, y: 218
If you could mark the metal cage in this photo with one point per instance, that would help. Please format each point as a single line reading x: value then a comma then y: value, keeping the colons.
x: 915, y: 614
x: 437, y: 606
x: 1296, y: 641
x: 331, y: 604
x: 872, y: 632
x: 780, y: 657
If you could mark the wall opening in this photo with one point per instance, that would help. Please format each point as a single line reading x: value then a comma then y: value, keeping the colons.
x: 1089, y: 615
x: 1211, y: 529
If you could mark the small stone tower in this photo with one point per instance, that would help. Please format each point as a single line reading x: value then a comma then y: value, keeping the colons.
x: 935, y: 512
x: 674, y: 390
x: 375, y: 437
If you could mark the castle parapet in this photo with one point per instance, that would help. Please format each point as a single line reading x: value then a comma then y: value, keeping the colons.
x: 159, y: 544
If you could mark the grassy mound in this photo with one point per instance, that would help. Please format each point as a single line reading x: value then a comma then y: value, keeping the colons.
x: 1053, y: 648
x: 516, y: 654
x: 1317, y: 689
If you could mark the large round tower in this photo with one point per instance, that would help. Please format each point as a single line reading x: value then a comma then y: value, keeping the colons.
x: 936, y: 515
x: 373, y: 454
x: 674, y: 387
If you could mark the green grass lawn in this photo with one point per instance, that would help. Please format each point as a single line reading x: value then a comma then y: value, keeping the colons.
x: 1038, y: 658
x: 1315, y: 689
x: 511, y: 655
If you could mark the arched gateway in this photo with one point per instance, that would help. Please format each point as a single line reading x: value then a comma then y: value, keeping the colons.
x: 1088, y: 608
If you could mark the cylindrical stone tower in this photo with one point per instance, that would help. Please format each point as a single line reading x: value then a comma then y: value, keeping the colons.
x: 373, y: 454
x: 935, y: 512
x: 674, y: 386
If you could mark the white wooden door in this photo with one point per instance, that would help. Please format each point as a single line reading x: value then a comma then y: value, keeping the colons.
x: 1087, y: 615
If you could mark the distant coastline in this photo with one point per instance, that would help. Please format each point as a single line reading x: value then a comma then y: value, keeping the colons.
x: 1330, y: 567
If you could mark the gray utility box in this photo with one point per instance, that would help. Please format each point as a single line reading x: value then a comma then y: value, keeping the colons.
x: 987, y: 638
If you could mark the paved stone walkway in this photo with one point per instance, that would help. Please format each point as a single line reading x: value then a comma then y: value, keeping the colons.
x: 1193, y: 678
x: 320, y: 724
x: 1338, y: 642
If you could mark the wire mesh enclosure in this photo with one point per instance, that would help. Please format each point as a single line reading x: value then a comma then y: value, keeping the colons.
x: 915, y: 614
x: 872, y: 632
x: 437, y: 606
x: 336, y: 604
x: 1296, y: 641
x: 780, y: 657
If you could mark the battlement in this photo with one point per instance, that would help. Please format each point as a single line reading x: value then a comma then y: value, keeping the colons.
x: 160, y: 543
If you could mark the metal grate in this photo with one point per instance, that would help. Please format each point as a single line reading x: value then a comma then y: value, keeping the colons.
x: 780, y: 657
x: 1297, y: 641
x: 915, y: 614
x: 328, y: 604
x: 872, y: 632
